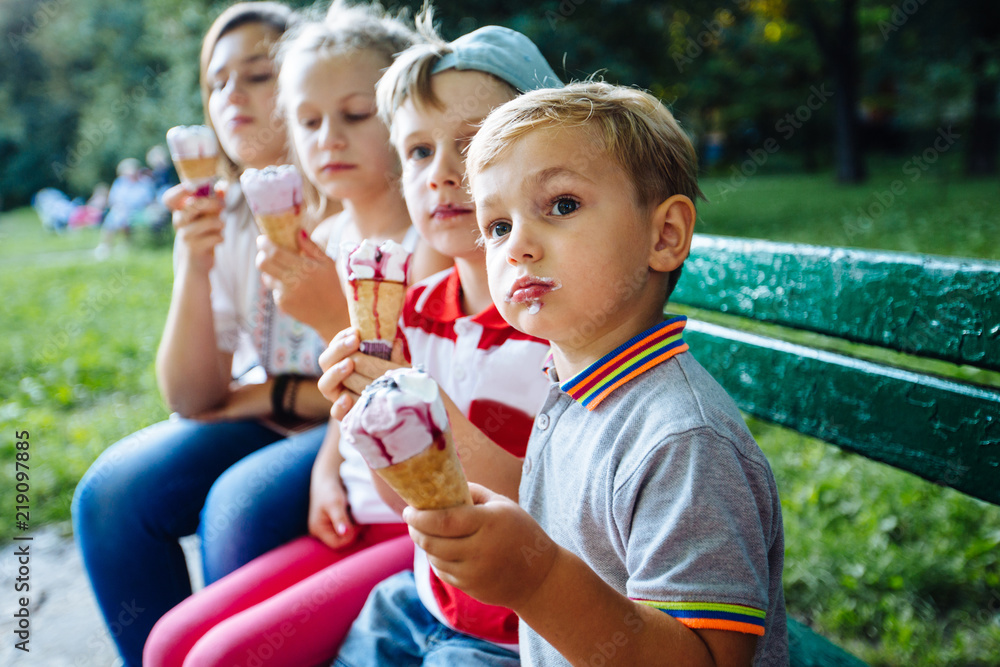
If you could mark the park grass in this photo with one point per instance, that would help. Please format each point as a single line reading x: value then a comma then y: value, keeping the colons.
x: 77, y: 342
x: 939, y: 213
x: 895, y: 569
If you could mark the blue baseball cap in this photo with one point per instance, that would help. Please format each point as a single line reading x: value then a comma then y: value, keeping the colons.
x: 504, y: 53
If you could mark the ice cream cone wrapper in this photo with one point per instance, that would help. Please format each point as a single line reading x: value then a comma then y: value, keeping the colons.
x: 374, y: 311
x: 433, y: 479
x: 281, y: 227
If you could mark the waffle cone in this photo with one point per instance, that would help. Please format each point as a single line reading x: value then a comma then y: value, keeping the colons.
x: 281, y: 227
x: 196, y: 169
x: 374, y: 312
x: 433, y: 479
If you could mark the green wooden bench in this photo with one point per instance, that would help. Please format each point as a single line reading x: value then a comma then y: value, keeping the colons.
x: 927, y: 307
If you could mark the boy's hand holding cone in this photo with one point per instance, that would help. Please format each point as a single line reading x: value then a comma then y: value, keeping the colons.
x: 400, y: 427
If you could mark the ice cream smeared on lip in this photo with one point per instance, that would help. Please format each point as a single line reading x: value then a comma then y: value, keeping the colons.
x: 398, y: 416
x: 195, y: 151
x: 529, y: 291
x: 273, y: 189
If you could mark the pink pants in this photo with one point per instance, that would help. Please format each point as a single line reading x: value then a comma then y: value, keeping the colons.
x: 291, y: 606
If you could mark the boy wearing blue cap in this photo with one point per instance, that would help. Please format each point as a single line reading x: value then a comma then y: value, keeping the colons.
x: 649, y: 528
x: 434, y: 97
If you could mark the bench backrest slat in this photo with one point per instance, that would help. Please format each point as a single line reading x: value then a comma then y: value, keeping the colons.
x: 947, y: 432
x: 929, y: 306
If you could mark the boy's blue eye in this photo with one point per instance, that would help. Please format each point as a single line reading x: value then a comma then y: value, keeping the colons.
x: 564, y: 206
x: 420, y: 153
x: 499, y: 229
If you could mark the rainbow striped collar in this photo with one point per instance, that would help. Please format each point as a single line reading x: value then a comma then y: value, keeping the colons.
x: 631, y: 359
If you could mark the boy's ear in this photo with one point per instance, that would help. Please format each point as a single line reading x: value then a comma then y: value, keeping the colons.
x: 671, y: 228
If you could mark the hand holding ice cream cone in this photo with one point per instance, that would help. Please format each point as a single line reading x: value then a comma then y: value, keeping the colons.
x: 377, y: 275
x: 400, y: 427
x: 195, y: 153
x: 275, y: 198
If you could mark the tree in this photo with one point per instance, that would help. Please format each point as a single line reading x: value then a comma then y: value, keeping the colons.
x: 984, y: 127
x: 834, y: 26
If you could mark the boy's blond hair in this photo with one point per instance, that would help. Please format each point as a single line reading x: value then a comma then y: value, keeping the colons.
x: 630, y: 126
x: 409, y: 77
x: 344, y: 30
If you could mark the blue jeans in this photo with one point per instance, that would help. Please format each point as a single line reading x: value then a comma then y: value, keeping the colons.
x: 243, y: 487
x: 394, y: 628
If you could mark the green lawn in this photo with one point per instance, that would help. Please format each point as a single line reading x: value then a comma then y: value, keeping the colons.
x: 895, y: 569
x: 77, y: 341
x: 934, y: 215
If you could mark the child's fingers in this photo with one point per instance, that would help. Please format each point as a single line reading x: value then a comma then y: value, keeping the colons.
x: 356, y: 381
x: 443, y: 551
x: 372, y: 367
x: 308, y: 248
x: 481, y: 495
x: 343, y: 405
x: 276, y: 260
x: 201, y: 235
x: 331, y: 383
x: 397, y: 356
x: 452, y: 523
x: 174, y: 198
x: 342, y: 345
x: 340, y: 519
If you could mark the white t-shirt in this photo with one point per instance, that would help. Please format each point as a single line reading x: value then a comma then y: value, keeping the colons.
x: 248, y: 324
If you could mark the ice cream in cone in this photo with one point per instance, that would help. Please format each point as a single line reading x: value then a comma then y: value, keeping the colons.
x: 400, y: 427
x: 377, y: 278
x: 275, y: 197
x: 195, y: 153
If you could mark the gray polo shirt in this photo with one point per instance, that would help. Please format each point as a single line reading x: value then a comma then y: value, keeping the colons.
x: 661, y: 489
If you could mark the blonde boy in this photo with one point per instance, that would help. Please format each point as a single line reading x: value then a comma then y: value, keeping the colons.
x: 649, y: 529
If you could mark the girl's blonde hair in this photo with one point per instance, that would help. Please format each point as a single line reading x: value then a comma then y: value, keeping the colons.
x: 345, y: 29
x: 273, y: 15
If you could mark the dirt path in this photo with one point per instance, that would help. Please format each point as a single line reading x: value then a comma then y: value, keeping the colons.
x: 65, y: 624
